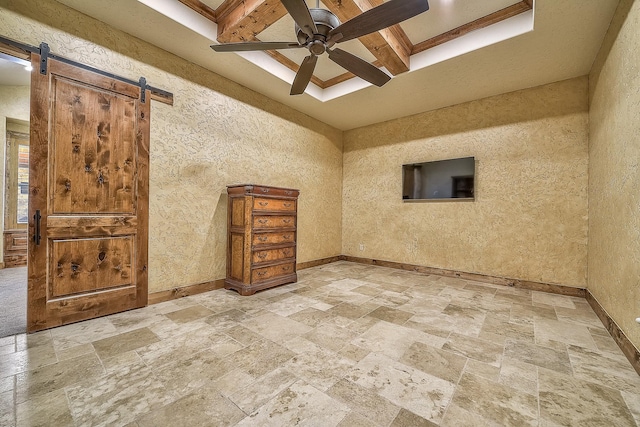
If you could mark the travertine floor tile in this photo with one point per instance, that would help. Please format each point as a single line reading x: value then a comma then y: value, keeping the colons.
x: 7, y: 383
x: 569, y: 401
x: 581, y: 315
x: 185, y: 376
x: 83, y: 332
x: 440, y: 363
x: 184, y: 346
x: 364, y: 401
x: 233, y: 383
x: 409, y: 419
x: 27, y: 360
x: 474, y: 348
x: 321, y: 368
x: 495, y: 402
x: 544, y: 357
x: 122, y: 343
x: 527, y: 314
x: 519, y: 375
x: 50, y: 409
x: 552, y: 330
x: 409, y: 388
x: 263, y: 390
x: 298, y: 403
x: 391, y: 315
x: 633, y: 403
x: 275, y: 327
x: 604, y: 368
x: 330, y: 336
x: 31, y: 384
x: 348, y: 345
x: 203, y: 407
x: 118, y: 397
x: 310, y: 316
x: 552, y: 300
x: 393, y: 340
x: 291, y: 305
x: 189, y: 314
x: 7, y: 405
x: 354, y: 419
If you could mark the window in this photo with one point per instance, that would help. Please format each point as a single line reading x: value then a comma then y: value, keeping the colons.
x: 17, y: 180
x: 23, y: 184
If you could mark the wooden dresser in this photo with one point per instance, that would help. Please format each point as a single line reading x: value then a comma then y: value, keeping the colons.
x: 15, y: 248
x: 261, y: 237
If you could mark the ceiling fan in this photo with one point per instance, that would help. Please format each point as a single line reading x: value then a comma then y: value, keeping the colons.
x: 319, y: 30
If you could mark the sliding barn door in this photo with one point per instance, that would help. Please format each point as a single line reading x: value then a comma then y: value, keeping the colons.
x: 88, y: 208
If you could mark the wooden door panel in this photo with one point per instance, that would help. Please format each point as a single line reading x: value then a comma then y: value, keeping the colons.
x: 95, y: 129
x: 237, y: 245
x: 90, y: 178
x: 89, y: 265
x: 84, y: 226
x: 237, y: 219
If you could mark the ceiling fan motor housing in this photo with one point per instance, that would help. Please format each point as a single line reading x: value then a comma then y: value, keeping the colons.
x: 325, y: 22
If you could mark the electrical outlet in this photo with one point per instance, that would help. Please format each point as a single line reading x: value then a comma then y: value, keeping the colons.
x: 362, y: 246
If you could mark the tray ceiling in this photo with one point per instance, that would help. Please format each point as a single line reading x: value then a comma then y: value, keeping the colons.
x: 461, y: 50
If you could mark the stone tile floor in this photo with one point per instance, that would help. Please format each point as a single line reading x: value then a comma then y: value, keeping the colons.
x: 348, y: 345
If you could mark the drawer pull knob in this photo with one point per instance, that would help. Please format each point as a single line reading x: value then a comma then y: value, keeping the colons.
x: 286, y: 236
x: 286, y: 221
x: 263, y: 203
x: 265, y: 190
x: 262, y: 255
x: 287, y: 268
x: 262, y: 221
x: 262, y: 238
x: 287, y: 253
x: 287, y: 205
x: 261, y: 273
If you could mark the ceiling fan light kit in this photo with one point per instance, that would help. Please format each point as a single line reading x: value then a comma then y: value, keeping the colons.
x: 318, y: 30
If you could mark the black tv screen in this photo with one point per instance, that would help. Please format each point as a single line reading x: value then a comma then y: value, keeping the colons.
x: 439, y: 180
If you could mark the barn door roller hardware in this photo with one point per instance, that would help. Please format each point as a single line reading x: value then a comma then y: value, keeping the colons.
x: 44, y: 51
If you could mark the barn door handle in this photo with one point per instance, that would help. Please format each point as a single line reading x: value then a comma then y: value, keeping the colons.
x: 36, y: 218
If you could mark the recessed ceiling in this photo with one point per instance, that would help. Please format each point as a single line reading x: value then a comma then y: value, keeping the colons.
x: 565, y: 39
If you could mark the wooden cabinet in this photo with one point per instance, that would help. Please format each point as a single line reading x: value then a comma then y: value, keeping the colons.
x: 261, y: 237
x: 15, y: 248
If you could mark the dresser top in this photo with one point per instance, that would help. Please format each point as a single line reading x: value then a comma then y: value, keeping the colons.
x: 262, y: 190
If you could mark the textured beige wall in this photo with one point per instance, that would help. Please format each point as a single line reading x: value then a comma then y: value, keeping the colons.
x: 529, y: 219
x: 614, y: 172
x: 217, y: 133
x: 14, y: 104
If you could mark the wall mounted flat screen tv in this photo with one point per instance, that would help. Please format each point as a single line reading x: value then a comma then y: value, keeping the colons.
x: 439, y: 180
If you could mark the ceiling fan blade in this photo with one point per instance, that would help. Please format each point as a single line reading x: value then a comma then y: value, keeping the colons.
x: 383, y: 16
x: 303, y: 77
x: 247, y: 46
x: 300, y: 13
x: 359, y: 67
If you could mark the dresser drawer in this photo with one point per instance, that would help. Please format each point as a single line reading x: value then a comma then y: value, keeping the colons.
x: 273, y: 238
x: 258, y: 190
x: 274, y: 221
x: 265, y: 204
x: 274, y: 254
x: 266, y: 273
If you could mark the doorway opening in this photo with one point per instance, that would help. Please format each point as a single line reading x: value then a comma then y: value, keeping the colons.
x: 15, y: 78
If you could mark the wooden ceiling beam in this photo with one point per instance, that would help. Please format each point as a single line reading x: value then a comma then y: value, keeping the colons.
x: 243, y: 20
x: 201, y: 8
x: 390, y: 46
x: 479, y: 23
